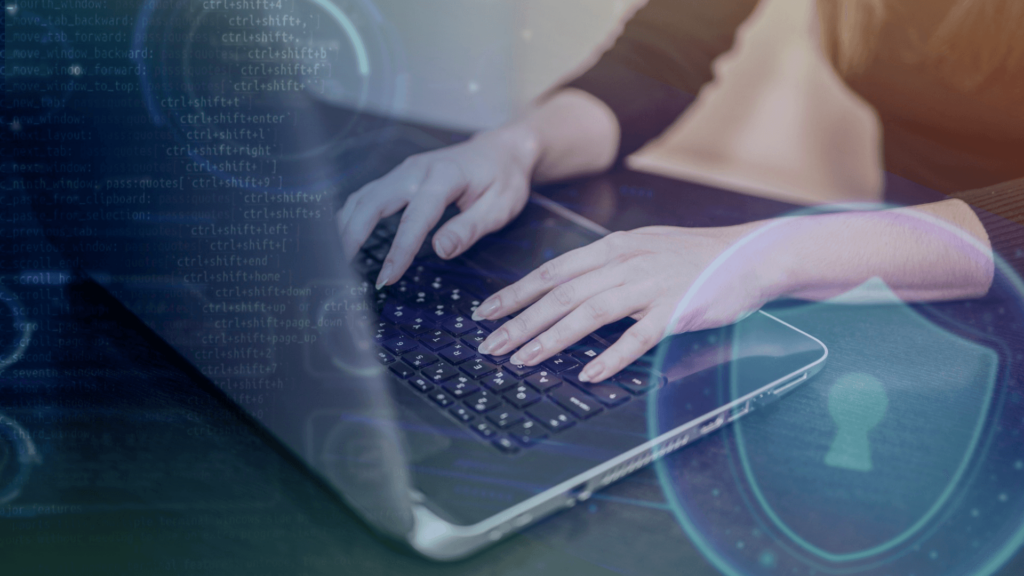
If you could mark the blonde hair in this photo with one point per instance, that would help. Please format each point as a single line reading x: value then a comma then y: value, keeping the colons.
x: 975, y: 41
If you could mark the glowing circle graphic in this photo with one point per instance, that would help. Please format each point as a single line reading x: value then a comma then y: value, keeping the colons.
x: 901, y: 456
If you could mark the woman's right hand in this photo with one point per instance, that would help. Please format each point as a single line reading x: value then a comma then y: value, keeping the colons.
x: 487, y: 177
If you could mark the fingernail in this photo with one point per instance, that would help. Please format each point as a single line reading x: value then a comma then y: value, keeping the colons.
x: 384, y: 276
x: 493, y: 342
x: 526, y: 354
x: 444, y: 245
x: 591, y: 372
x: 488, y: 307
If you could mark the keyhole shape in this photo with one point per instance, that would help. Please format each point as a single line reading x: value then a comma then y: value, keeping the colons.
x: 857, y: 403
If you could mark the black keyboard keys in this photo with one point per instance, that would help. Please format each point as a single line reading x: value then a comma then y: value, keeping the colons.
x: 440, y: 372
x: 478, y: 368
x: 560, y: 363
x: 519, y: 370
x: 636, y: 381
x: 522, y: 396
x: 586, y: 353
x: 483, y: 401
x: 484, y: 429
x: 441, y: 398
x: 574, y: 400
x: 403, y: 370
x: 461, y: 387
x: 543, y: 380
x: 419, y: 359
x: 397, y: 313
x: 505, y: 417
x: 506, y: 445
x: 527, y: 433
x: 457, y: 354
x: 461, y: 413
x: 551, y: 415
x: 608, y: 394
x: 384, y: 358
x: 441, y: 312
x: 417, y: 326
x: 475, y: 338
x: 499, y: 381
x: 436, y: 340
x: 458, y: 326
x: 420, y: 383
x: 400, y: 345
x: 383, y: 332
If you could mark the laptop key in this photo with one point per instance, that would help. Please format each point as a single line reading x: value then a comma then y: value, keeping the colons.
x: 574, y: 400
x: 458, y: 325
x: 637, y: 382
x: 419, y: 359
x: 475, y: 338
x: 551, y: 415
x: 436, y: 340
x: 560, y: 363
x: 499, y: 381
x: 519, y: 370
x: 417, y: 326
x: 586, y: 353
x: 467, y: 306
x: 457, y: 353
x: 484, y: 429
x: 420, y: 383
x: 608, y: 394
x: 384, y: 357
x: 461, y: 413
x: 403, y: 370
x: 478, y: 368
x: 440, y: 372
x: 483, y: 401
x: 527, y: 433
x: 441, y: 398
x: 400, y: 345
x: 384, y: 332
x: 573, y: 376
x: 505, y: 417
x: 522, y: 396
x: 543, y: 381
x: 397, y: 313
x: 441, y: 312
x: 506, y: 445
x: 460, y: 386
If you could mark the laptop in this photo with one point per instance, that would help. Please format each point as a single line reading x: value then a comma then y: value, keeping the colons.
x: 383, y: 394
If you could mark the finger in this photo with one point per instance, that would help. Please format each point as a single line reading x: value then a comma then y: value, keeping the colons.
x: 494, y: 209
x: 607, y: 307
x: 376, y: 200
x: 541, y: 281
x: 344, y: 215
x: 640, y: 338
x: 552, y: 307
x: 443, y: 183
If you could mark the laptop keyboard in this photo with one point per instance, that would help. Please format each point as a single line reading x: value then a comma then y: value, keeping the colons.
x: 425, y: 336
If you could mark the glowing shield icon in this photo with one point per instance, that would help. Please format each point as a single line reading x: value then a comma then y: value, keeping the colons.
x: 850, y: 470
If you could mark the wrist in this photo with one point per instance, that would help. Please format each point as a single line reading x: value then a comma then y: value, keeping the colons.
x: 518, y: 142
x: 778, y: 255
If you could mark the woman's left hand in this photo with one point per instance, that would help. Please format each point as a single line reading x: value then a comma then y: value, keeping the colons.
x: 643, y: 274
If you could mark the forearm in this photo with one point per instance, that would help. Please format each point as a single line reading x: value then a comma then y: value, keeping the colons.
x: 569, y: 134
x: 931, y: 252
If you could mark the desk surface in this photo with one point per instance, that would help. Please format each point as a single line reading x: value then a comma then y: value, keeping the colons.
x: 139, y: 471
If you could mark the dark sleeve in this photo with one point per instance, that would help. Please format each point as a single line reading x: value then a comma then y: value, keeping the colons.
x: 1001, y: 210
x: 660, y: 61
